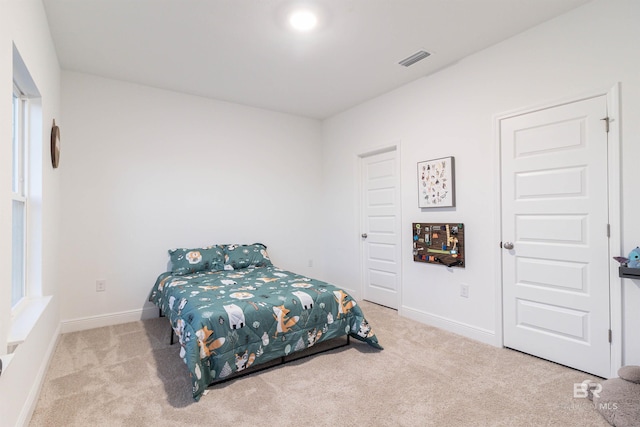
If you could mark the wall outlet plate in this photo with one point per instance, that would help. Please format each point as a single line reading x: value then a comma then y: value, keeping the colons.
x: 464, y: 290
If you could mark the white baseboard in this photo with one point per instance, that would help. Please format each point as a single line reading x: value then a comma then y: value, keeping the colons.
x: 479, y: 334
x: 101, y: 320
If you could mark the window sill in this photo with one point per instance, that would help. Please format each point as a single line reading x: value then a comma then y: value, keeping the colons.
x: 24, y: 321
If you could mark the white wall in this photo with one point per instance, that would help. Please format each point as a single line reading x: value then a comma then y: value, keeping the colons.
x: 452, y: 113
x: 145, y: 170
x: 24, y: 23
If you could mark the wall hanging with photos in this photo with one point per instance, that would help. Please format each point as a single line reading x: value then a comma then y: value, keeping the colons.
x: 436, y: 187
x: 439, y: 243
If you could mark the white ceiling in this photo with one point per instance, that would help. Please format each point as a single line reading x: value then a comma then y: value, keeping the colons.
x: 242, y: 50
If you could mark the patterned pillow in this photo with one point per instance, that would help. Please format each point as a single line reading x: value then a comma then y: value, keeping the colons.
x: 188, y: 261
x: 243, y: 256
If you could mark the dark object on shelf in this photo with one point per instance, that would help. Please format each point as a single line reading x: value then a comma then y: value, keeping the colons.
x: 629, y: 273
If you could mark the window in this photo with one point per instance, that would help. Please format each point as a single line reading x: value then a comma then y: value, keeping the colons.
x: 26, y: 167
x: 19, y: 196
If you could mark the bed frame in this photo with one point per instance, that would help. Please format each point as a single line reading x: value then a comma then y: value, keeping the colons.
x: 343, y: 341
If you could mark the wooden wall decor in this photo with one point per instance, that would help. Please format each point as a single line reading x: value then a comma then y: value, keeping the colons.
x: 439, y: 243
x: 55, y: 145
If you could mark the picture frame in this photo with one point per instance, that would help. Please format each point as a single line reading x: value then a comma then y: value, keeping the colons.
x: 436, y: 183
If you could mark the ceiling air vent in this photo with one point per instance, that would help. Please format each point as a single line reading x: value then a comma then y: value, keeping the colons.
x: 418, y: 56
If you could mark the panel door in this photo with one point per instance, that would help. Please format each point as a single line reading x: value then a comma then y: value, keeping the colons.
x: 381, y: 229
x: 555, y: 214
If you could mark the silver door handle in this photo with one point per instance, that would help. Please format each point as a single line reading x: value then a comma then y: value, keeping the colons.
x: 364, y: 235
x: 508, y: 245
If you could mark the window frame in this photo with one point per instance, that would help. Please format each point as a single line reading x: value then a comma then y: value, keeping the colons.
x: 19, y: 192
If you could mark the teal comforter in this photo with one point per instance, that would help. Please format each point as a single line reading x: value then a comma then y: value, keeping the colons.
x: 227, y: 321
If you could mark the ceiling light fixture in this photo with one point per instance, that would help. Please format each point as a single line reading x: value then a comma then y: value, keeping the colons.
x: 303, y: 20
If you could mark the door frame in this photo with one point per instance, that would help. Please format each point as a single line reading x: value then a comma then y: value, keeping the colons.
x: 359, y: 200
x: 612, y: 96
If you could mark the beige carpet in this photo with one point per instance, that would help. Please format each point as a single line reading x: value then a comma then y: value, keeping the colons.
x: 128, y: 375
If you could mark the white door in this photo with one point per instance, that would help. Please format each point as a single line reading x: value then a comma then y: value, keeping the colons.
x: 555, y: 215
x: 381, y: 228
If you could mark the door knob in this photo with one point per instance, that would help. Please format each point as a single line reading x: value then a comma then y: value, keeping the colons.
x: 364, y: 235
x: 508, y: 245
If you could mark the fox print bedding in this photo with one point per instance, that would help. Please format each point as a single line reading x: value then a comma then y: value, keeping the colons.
x: 229, y: 320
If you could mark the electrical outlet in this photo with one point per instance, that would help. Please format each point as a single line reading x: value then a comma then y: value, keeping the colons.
x: 310, y: 263
x: 101, y: 285
x: 464, y: 290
